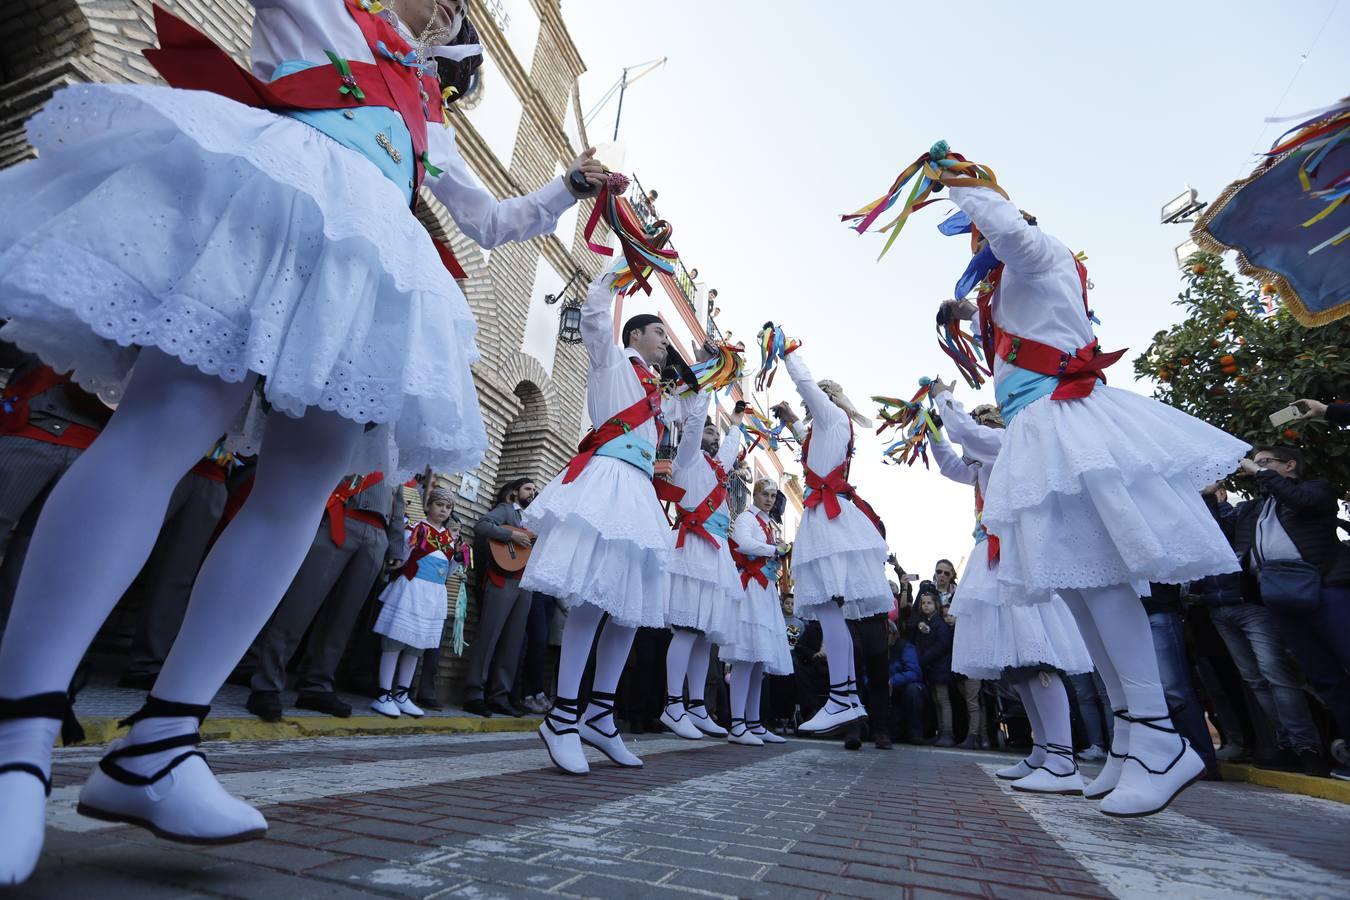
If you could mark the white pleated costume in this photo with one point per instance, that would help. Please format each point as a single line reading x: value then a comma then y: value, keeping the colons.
x: 840, y: 557
x: 759, y: 634
x: 603, y: 539
x: 991, y: 635
x: 1098, y: 491
x: 704, y: 587
x: 236, y: 240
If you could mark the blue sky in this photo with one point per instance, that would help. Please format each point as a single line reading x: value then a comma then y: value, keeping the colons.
x: 771, y: 119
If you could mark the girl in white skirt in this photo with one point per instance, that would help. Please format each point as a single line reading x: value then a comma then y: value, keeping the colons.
x: 1095, y: 490
x: 414, y: 606
x: 603, y: 545
x: 839, y: 557
x: 1031, y: 644
x: 757, y: 642
x: 704, y: 588
x: 220, y: 248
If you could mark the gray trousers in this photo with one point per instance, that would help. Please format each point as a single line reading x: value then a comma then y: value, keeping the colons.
x: 1249, y: 634
x: 328, y: 591
x: 194, y: 512
x: 29, y: 470
x: 497, y: 648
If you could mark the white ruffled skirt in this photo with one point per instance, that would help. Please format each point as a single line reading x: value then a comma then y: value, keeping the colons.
x: 413, y: 612
x: 704, y: 588
x: 603, y: 540
x: 237, y: 241
x: 991, y: 636
x: 840, y: 557
x: 759, y: 634
x: 1104, y: 491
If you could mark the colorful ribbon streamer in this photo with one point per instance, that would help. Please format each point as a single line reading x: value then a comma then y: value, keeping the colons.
x: 1315, y: 138
x: 774, y: 346
x: 930, y: 168
x: 758, y: 428
x: 913, y: 421
x: 639, y: 250
x: 718, y: 373
x: 962, y: 349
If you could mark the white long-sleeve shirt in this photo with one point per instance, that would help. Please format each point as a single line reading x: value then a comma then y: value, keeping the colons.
x: 831, y: 431
x: 748, y: 533
x: 1040, y: 295
x: 980, y: 445
x: 692, y: 472
x: 287, y: 30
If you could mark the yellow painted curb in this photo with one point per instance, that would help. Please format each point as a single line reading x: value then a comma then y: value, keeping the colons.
x: 102, y: 730
x: 1307, y: 785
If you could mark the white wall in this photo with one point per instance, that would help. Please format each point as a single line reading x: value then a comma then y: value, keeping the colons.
x: 497, y: 116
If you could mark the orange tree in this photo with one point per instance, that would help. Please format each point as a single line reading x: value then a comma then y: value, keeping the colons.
x: 1232, y: 364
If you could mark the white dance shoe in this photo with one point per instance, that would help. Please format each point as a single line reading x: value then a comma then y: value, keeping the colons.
x: 765, y: 735
x: 28, y: 729
x: 698, y: 714
x: 837, y: 713
x: 1160, y: 765
x: 677, y: 719
x: 561, y: 739
x: 405, y: 704
x: 386, y: 706
x: 1109, y: 776
x: 1020, y: 769
x: 741, y: 734
x: 600, y: 708
x: 1056, y: 774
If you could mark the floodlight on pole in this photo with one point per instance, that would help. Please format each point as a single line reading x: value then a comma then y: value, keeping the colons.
x: 1182, y: 208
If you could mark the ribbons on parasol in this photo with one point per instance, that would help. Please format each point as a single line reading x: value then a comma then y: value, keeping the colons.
x: 641, y: 254
x: 927, y: 172
x: 1289, y: 220
x: 913, y: 422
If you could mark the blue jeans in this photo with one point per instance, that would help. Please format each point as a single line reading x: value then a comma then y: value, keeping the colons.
x: 1169, y: 642
x: 534, y: 679
x: 1249, y: 633
x: 1092, y: 707
x: 1320, y: 642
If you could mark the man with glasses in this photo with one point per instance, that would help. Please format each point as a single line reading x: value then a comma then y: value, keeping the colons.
x: 1294, y: 518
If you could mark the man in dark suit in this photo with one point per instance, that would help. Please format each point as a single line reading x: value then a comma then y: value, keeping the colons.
x: 495, y: 652
x: 1296, y: 518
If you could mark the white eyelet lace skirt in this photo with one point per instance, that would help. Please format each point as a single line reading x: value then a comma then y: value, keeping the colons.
x: 704, y: 587
x: 602, y: 540
x: 1105, y: 491
x: 759, y: 633
x: 237, y: 241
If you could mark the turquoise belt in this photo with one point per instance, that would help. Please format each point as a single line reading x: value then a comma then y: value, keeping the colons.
x: 719, y: 524
x: 633, y: 450
x: 433, y: 568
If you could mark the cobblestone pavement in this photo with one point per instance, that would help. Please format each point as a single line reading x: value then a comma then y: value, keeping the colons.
x: 484, y: 816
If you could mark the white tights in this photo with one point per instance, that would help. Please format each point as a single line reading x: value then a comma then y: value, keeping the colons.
x: 1047, y: 705
x: 403, y: 662
x: 1128, y: 664
x: 838, y: 647
x: 687, y: 657
x: 102, y: 519
x: 746, y: 683
x: 611, y: 654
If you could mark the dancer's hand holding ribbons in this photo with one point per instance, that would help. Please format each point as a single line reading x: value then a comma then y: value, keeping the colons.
x: 935, y: 169
x: 774, y: 346
x: 585, y: 170
x: 916, y: 423
x: 642, y: 252
x: 961, y: 347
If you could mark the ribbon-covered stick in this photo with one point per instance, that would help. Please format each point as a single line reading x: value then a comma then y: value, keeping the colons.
x: 640, y: 250
x: 913, y: 422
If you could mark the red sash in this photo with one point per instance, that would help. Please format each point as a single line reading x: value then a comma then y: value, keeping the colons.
x: 1077, y: 372
x: 990, y: 539
x: 426, y: 540
x: 752, y: 566
x: 15, y: 411
x: 188, y: 59
x: 829, y: 489
x: 649, y: 407
x: 694, y: 521
x: 336, y: 507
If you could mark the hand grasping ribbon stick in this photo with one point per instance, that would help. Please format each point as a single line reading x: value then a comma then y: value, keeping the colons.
x: 915, y: 423
x: 641, y: 251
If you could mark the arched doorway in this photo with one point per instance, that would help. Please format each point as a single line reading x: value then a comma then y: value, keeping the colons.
x: 524, y: 446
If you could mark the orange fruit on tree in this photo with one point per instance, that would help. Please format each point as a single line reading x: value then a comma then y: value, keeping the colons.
x: 1227, y: 360
x: 1199, y: 268
x: 1291, y: 433
x: 1230, y: 315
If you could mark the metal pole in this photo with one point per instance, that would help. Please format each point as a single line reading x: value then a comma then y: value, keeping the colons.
x: 623, y: 85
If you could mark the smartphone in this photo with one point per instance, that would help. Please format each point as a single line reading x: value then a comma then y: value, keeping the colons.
x: 1288, y: 414
x: 910, y: 578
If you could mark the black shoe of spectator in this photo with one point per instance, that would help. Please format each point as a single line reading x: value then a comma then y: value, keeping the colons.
x: 915, y: 738
x: 477, y: 708
x: 506, y: 709
x: 945, y: 740
x: 430, y: 703
x: 853, y: 737
x: 1284, y: 760
x: 653, y: 726
x: 324, y: 702
x: 1314, y: 764
x: 883, y: 742
x: 972, y: 742
x: 137, y: 681
x: 266, y: 705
